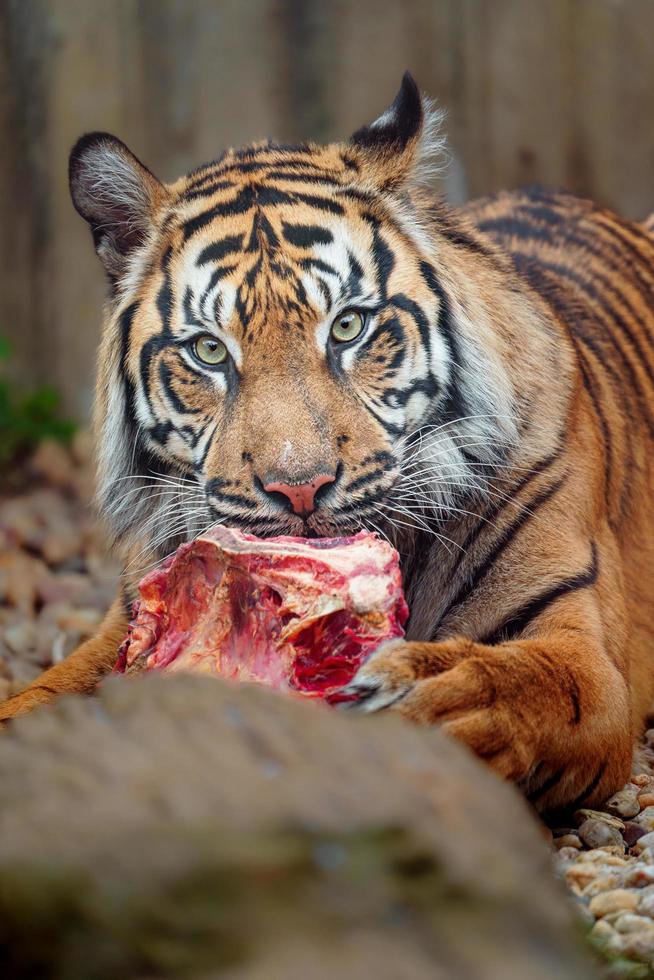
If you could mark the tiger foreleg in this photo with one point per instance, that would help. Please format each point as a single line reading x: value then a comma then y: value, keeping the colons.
x: 550, y: 713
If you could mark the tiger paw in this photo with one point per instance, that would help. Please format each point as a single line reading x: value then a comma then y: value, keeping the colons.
x: 392, y: 671
x: 384, y: 679
x: 464, y: 695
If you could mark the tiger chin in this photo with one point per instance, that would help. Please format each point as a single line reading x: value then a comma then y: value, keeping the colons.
x: 305, y: 339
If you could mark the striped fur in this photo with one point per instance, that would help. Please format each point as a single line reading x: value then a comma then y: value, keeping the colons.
x: 495, y: 420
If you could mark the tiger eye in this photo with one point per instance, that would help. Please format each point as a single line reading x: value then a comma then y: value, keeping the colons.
x: 347, y: 326
x: 209, y: 350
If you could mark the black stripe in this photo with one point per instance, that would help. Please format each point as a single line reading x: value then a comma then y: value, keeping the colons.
x: 590, y: 386
x: 208, y: 189
x: 545, y: 787
x: 501, y: 544
x: 305, y: 236
x: 382, y: 256
x: 455, y: 405
x: 492, y: 515
x: 518, y: 620
x: 574, y: 320
x: 402, y: 302
x: 592, y: 786
x: 166, y: 378
x: 362, y: 481
x: 313, y: 263
x: 526, y: 231
x: 218, y: 250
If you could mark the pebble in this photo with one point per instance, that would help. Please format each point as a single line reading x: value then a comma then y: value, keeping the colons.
x: 623, y: 804
x: 629, y: 922
x: 646, y: 818
x: 646, y: 904
x: 641, y: 779
x: 598, y: 833
x: 568, y: 840
x: 606, y: 937
x: 603, y: 883
x: 647, y: 840
x: 646, y: 799
x: 639, y: 946
x: 632, y: 832
x: 620, y: 899
x: 580, y: 817
x: 640, y: 876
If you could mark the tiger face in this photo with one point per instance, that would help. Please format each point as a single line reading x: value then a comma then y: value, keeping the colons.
x: 290, y: 345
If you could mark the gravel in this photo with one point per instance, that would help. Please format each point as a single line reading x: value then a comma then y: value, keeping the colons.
x: 57, y: 580
x: 56, y: 577
x: 607, y: 863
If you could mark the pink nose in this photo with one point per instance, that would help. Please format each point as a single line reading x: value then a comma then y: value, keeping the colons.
x: 301, y: 495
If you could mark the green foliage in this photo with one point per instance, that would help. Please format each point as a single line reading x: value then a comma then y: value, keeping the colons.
x: 27, y: 417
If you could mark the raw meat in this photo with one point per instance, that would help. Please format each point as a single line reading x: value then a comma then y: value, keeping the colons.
x: 295, y: 613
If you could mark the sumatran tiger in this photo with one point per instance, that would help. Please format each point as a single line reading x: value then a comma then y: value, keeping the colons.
x: 306, y: 340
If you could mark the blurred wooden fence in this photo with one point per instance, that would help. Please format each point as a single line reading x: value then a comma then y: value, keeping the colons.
x: 559, y: 92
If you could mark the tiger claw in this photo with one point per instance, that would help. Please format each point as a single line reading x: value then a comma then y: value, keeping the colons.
x: 370, y: 694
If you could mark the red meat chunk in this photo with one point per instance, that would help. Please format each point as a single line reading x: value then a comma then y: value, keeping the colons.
x: 299, y: 614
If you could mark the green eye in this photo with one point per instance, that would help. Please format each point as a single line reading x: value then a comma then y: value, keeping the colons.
x: 209, y: 350
x: 347, y: 326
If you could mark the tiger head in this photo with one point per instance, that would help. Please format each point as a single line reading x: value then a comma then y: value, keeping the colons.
x: 298, y: 339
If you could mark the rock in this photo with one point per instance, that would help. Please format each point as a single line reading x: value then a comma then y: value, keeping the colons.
x: 181, y: 826
x: 22, y: 638
x: 645, y: 799
x: 647, y: 840
x: 579, y: 876
x: 567, y: 840
x: 646, y: 903
x: 60, y: 544
x: 623, y: 804
x: 565, y: 854
x: 640, y: 876
x: 64, y: 587
x: 605, y: 937
x: 641, y: 779
x: 614, y: 901
x: 648, y: 737
x: 646, y: 818
x: 632, y: 832
x: 639, y: 946
x: 81, y: 621
x: 81, y: 447
x: 603, y: 883
x: 628, y: 922
x: 605, y: 857
x: 580, y: 816
x: 21, y: 576
x: 598, y: 833
x: 52, y: 462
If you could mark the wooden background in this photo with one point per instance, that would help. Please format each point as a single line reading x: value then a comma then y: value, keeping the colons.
x: 559, y: 92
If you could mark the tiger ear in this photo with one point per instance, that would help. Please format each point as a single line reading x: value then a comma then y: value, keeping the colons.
x: 404, y: 145
x: 116, y: 194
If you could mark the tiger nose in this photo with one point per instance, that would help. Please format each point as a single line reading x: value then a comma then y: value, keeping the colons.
x: 302, y: 496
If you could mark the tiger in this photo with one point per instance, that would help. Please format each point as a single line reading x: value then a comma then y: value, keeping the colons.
x: 308, y: 340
